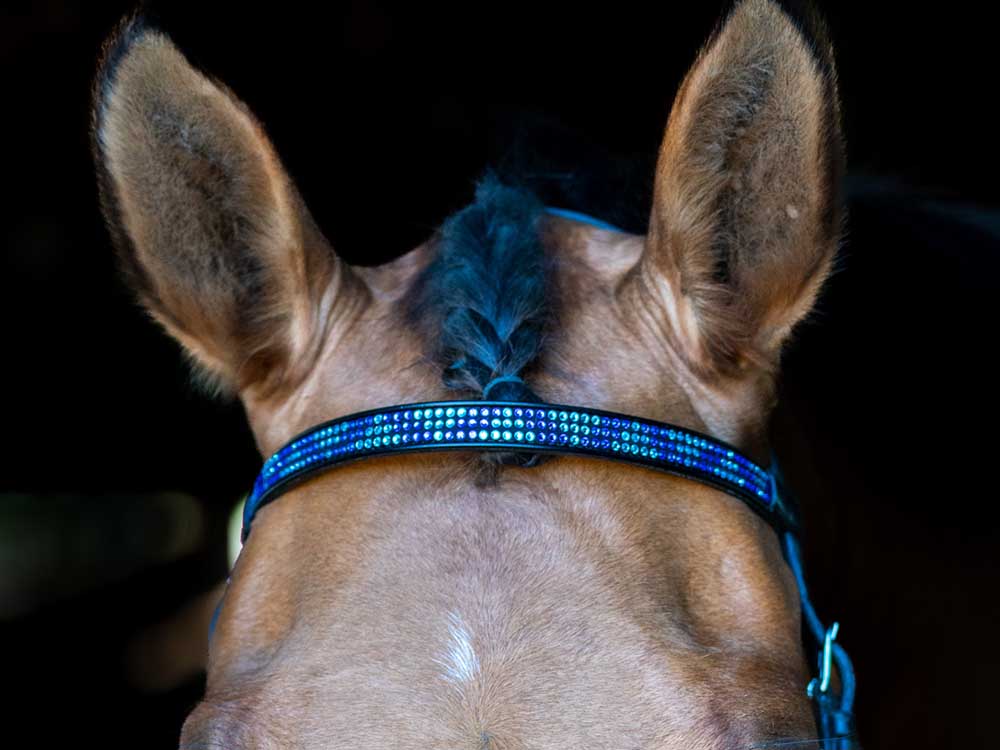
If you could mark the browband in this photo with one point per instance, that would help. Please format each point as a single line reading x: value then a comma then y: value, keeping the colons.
x: 518, y: 427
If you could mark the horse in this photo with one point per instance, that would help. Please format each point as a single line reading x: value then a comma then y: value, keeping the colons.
x: 497, y: 599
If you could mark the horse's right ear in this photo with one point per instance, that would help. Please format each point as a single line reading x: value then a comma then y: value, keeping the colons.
x: 213, y: 236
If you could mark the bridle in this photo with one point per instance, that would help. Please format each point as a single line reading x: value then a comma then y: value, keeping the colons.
x: 540, y: 428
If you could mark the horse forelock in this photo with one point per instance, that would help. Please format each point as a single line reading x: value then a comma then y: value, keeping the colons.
x: 484, y: 300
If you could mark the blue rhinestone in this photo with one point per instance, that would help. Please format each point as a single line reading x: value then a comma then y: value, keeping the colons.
x: 449, y: 422
x: 449, y: 412
x: 519, y: 436
x: 418, y: 414
x: 461, y: 411
x: 438, y: 435
x: 508, y: 412
x: 625, y: 436
x: 460, y: 435
x: 506, y: 435
x: 529, y: 436
x: 439, y: 412
x: 563, y: 416
x: 473, y: 412
x: 552, y: 414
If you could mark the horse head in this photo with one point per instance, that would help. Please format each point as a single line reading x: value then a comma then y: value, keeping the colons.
x: 472, y: 600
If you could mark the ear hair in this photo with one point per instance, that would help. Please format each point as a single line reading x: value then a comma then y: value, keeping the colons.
x: 210, y: 231
x: 747, y: 207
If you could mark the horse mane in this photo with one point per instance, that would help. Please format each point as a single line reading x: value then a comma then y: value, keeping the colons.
x: 483, y: 299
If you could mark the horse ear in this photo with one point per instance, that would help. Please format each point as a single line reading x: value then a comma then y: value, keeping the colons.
x: 212, y: 235
x: 747, y: 208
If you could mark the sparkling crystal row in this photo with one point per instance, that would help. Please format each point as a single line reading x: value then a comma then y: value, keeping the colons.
x: 511, y: 427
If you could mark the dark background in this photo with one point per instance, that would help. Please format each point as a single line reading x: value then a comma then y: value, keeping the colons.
x: 385, y: 114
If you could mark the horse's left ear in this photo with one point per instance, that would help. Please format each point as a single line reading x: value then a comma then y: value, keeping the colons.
x: 210, y: 230
x: 746, y: 217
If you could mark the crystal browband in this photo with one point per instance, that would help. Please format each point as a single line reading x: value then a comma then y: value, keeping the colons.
x: 516, y: 427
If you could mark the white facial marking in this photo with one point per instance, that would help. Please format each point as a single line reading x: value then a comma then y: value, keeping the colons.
x: 792, y: 211
x: 460, y: 662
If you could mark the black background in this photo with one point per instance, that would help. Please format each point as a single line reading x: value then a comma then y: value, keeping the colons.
x: 385, y: 114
